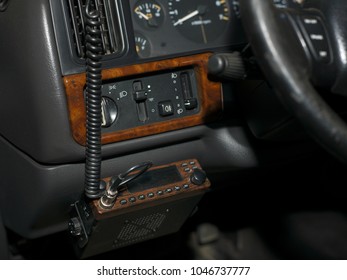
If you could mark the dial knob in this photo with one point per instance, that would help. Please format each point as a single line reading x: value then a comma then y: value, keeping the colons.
x: 109, y: 111
x: 198, y: 177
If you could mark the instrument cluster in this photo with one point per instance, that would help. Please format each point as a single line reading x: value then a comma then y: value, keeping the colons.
x: 166, y: 27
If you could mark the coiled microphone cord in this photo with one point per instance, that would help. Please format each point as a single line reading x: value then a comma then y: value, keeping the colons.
x: 93, y: 186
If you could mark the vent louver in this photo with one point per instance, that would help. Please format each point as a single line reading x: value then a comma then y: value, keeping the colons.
x: 110, y: 27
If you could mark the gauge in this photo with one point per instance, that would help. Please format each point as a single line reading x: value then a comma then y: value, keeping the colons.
x: 143, y: 47
x: 149, y: 14
x: 201, y: 21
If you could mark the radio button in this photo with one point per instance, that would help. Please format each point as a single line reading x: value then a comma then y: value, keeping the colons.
x: 150, y: 195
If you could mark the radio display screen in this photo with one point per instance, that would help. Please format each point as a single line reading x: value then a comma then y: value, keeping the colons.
x: 155, y: 178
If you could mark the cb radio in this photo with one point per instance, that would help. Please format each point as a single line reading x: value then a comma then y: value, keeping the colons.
x: 155, y: 203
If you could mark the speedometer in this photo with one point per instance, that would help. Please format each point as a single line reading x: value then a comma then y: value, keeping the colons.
x: 201, y: 21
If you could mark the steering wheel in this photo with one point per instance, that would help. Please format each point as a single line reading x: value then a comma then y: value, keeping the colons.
x: 298, y: 51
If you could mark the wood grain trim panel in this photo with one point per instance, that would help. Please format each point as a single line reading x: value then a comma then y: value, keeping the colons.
x: 209, y: 92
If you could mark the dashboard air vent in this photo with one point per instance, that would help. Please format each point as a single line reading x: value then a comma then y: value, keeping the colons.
x: 110, y: 27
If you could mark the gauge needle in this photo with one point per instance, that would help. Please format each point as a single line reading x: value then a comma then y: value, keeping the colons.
x: 149, y: 18
x: 189, y: 16
x: 203, y: 30
x: 143, y: 15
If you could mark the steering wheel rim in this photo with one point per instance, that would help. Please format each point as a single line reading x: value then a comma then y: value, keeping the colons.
x: 285, y: 66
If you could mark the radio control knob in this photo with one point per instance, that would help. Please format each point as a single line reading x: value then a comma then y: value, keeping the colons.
x: 198, y: 177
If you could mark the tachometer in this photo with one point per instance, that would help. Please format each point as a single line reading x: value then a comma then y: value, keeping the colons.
x: 201, y: 21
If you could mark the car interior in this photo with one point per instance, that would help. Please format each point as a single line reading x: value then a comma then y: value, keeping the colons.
x: 173, y: 129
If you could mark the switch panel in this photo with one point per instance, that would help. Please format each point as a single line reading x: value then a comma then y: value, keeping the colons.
x: 153, y: 98
x: 316, y: 37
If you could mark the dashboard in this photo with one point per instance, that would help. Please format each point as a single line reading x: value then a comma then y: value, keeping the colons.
x: 137, y: 31
x: 154, y: 58
x: 142, y: 30
x: 154, y: 61
x: 154, y: 69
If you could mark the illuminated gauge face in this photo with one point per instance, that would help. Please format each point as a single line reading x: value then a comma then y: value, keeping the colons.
x: 143, y: 47
x: 148, y: 14
x: 201, y: 21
